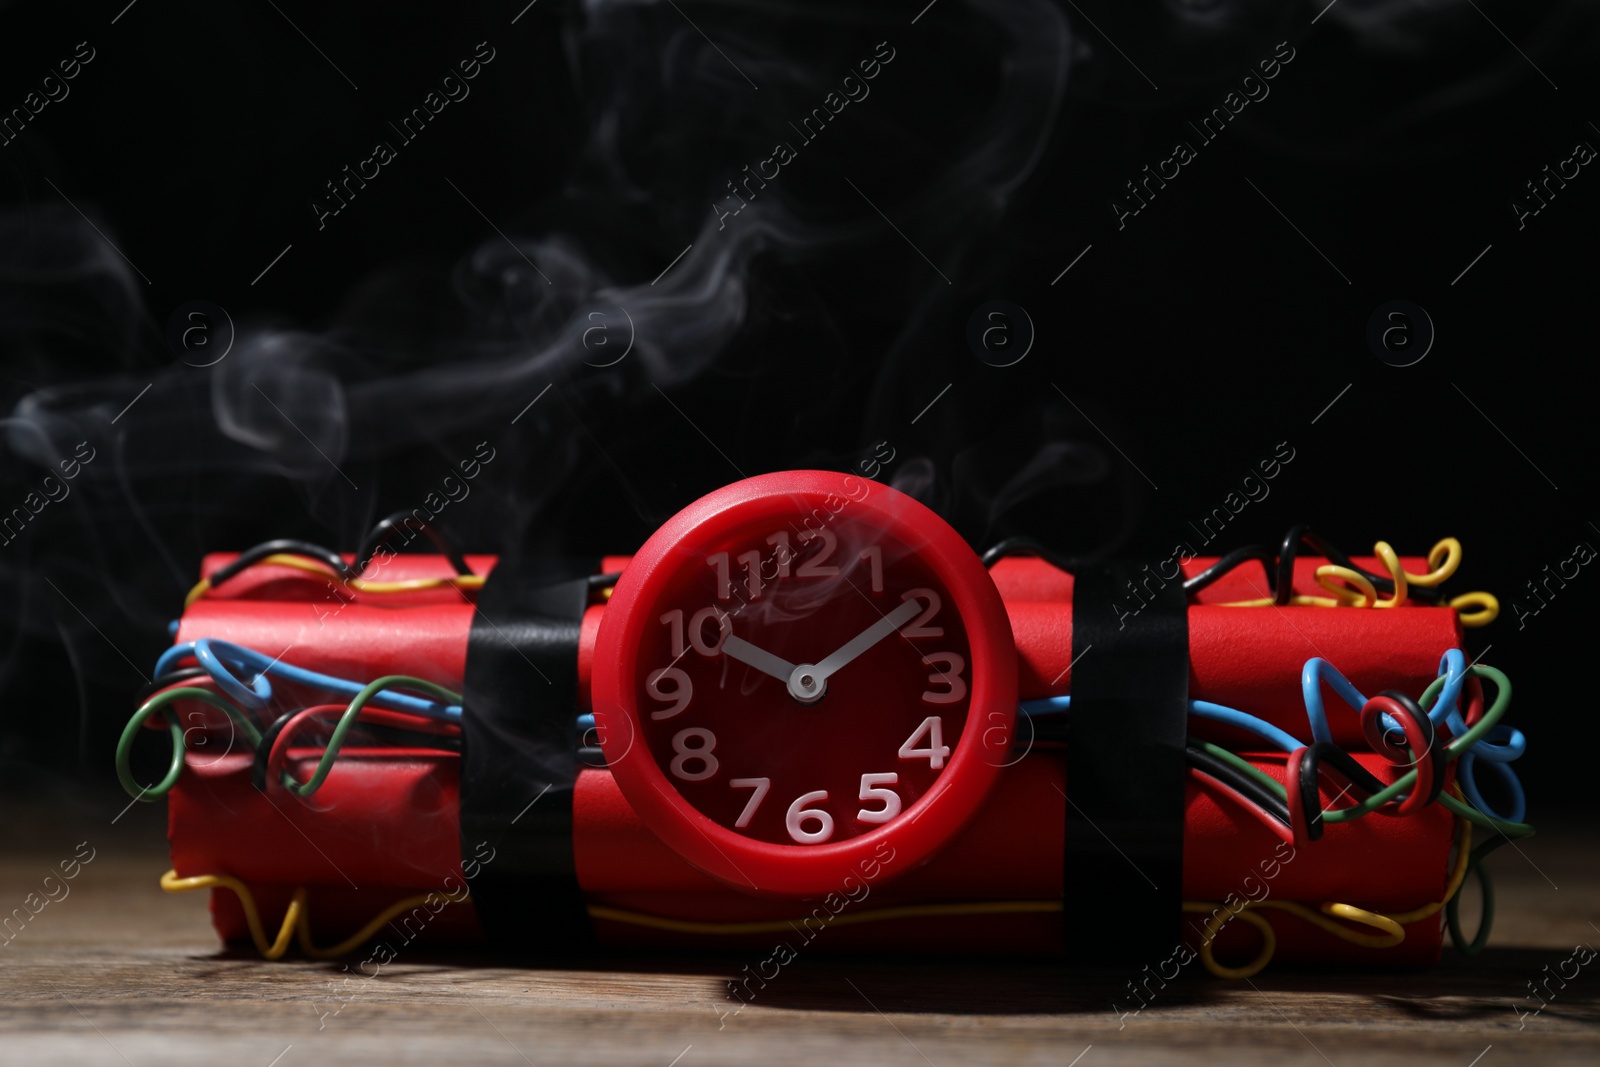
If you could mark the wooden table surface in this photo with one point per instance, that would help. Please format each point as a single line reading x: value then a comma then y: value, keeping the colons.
x: 117, y: 972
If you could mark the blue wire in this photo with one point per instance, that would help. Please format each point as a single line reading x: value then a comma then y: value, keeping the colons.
x: 1497, y: 748
x: 1044, y: 705
x: 1201, y: 708
x: 1445, y: 712
x: 1217, y: 713
x: 217, y: 657
x: 1465, y: 774
x: 1311, y: 677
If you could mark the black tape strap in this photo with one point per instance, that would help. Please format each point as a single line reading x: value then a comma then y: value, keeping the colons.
x: 519, y: 755
x: 1123, y: 863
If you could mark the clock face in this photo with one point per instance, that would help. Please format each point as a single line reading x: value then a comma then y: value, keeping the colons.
x: 799, y: 669
x: 804, y: 684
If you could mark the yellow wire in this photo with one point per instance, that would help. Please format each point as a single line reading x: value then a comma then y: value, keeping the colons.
x: 1444, y: 558
x: 1458, y: 876
x: 364, y: 585
x: 1476, y: 609
x: 772, y: 926
x: 1269, y: 939
x: 1392, y: 933
x: 1397, y: 574
x: 1488, y: 605
x: 297, y: 917
x: 1364, y: 595
x: 1391, y: 926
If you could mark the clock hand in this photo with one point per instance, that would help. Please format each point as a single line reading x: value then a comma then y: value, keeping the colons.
x: 867, y: 638
x: 760, y: 659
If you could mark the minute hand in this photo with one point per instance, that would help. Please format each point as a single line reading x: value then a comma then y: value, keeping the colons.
x: 868, y: 637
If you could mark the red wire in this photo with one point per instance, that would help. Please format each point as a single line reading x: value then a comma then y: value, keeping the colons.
x: 1474, y: 700
x: 280, y: 746
x: 1372, y: 726
x: 1297, y: 810
x: 376, y: 716
x: 1250, y: 805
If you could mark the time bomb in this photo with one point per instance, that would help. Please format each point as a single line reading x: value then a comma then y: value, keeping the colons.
x: 808, y: 675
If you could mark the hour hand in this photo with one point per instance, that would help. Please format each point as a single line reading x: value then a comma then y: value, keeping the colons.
x: 762, y: 660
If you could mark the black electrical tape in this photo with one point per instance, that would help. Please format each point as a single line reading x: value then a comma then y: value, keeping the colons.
x: 519, y: 755
x: 1126, y: 766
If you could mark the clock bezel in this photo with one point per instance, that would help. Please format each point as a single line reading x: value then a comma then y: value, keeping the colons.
x: 765, y: 867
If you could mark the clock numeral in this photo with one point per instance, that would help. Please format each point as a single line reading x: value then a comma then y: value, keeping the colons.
x: 751, y: 561
x: 719, y: 561
x: 782, y: 554
x: 874, y: 558
x: 760, y: 785
x: 799, y: 814
x: 919, y: 626
x: 872, y: 789
x: 700, y: 754
x: 937, y: 751
x: 949, y: 676
x: 813, y: 567
x: 678, y: 696
x: 697, y: 631
x: 674, y: 623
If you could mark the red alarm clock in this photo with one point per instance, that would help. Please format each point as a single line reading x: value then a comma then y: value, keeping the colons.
x: 799, y: 669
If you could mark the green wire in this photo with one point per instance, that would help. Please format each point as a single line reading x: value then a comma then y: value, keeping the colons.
x: 1244, y: 765
x: 348, y: 719
x: 1490, y: 718
x: 160, y: 702
x: 1452, y: 908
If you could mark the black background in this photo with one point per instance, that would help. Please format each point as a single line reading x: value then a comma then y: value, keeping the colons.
x: 1191, y: 342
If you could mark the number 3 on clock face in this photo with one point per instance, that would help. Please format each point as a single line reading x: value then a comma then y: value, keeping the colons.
x: 812, y: 665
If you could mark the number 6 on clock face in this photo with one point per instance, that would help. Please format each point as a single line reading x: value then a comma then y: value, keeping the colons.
x: 777, y: 648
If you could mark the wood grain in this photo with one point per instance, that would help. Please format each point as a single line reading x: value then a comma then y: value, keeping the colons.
x: 118, y: 972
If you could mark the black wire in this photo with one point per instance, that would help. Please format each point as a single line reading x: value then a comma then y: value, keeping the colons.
x: 1232, y: 560
x: 388, y: 527
x: 1237, y: 780
x: 1380, y: 582
x: 286, y: 546
x: 1361, y: 780
x: 393, y: 735
x: 1027, y: 546
x: 1435, y: 751
x: 1278, y: 566
x: 385, y: 529
x: 600, y: 581
x: 1053, y: 729
x: 172, y: 677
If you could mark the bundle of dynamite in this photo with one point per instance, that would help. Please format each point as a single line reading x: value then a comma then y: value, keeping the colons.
x: 806, y: 703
